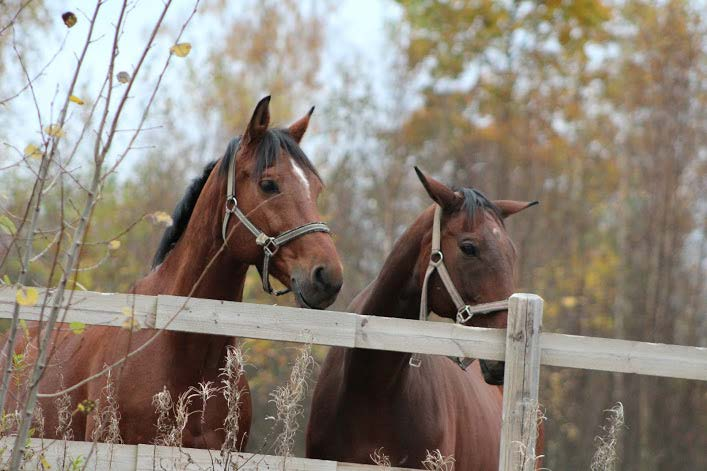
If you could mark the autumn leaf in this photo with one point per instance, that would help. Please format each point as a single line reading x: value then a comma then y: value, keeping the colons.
x: 113, y: 245
x: 6, y: 280
x: 45, y: 463
x: 130, y: 323
x: 54, y: 130
x: 86, y: 406
x: 7, y: 226
x: 77, y: 328
x: 123, y: 77
x: 160, y: 217
x: 181, y: 49
x: 27, y: 296
x: 75, y: 99
x: 32, y: 151
x: 69, y: 19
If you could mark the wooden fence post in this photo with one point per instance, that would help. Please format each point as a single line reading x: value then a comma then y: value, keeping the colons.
x: 520, y: 383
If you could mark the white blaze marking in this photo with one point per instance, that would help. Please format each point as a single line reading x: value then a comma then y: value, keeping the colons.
x: 300, y: 174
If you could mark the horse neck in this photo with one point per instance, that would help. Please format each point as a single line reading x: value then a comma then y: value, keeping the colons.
x: 199, y: 265
x: 395, y: 292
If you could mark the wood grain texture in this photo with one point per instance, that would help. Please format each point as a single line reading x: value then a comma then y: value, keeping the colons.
x: 381, y: 333
x: 102, y: 456
x: 521, y: 381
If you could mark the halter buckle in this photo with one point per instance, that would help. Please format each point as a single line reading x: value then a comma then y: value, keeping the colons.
x: 464, y: 314
x: 231, y: 203
x: 270, y: 247
x: 415, y: 360
x: 436, y: 258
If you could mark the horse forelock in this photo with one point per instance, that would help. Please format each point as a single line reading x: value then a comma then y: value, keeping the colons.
x: 475, y: 203
x: 268, y: 151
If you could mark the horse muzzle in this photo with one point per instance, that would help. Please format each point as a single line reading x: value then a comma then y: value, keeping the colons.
x: 317, y: 289
x: 493, y: 371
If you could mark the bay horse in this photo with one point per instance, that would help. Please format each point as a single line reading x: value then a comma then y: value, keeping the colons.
x: 264, y: 184
x: 366, y: 400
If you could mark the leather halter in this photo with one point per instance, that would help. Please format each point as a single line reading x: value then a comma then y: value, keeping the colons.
x: 464, y: 311
x: 269, y: 244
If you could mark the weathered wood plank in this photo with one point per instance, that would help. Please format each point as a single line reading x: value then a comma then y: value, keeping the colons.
x: 345, y: 329
x: 435, y: 338
x: 87, y: 306
x: 520, y: 383
x: 257, y: 321
x: 624, y: 356
x: 102, y: 456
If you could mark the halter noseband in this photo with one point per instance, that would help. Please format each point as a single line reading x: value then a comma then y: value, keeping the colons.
x: 269, y: 244
x: 464, y: 311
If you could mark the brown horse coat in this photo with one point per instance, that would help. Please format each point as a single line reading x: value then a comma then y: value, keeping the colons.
x: 366, y: 399
x: 177, y: 360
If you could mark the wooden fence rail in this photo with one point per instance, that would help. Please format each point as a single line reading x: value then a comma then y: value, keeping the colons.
x: 89, y: 456
x: 523, y: 346
x: 373, y: 332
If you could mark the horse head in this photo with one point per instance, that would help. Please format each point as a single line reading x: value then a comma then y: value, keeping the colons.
x: 275, y: 188
x: 476, y: 252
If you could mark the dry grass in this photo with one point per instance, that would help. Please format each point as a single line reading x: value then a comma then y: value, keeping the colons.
x: 288, y: 402
x: 605, y: 457
x: 534, y: 417
x: 231, y: 374
x: 436, y: 461
x: 380, y: 458
x: 107, y: 416
x: 65, y: 417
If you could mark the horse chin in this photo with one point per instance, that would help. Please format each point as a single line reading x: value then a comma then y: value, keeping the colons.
x: 307, y: 303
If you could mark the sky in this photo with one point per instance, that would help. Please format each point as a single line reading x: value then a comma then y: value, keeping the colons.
x: 356, y: 28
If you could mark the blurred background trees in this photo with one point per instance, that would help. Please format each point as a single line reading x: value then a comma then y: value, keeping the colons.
x: 596, y: 108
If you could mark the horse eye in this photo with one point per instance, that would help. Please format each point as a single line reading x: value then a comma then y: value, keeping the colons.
x: 269, y: 187
x: 469, y: 249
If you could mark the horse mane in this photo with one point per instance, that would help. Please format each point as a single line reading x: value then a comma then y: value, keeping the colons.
x: 475, y: 200
x: 181, y: 214
x: 267, y: 154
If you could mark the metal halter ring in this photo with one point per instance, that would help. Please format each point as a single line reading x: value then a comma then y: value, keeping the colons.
x: 231, y: 203
x: 464, y: 314
x: 436, y: 258
x: 270, y: 247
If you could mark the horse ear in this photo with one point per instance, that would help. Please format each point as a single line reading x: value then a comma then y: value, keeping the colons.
x: 299, y: 127
x: 509, y: 207
x: 439, y: 192
x: 259, y: 122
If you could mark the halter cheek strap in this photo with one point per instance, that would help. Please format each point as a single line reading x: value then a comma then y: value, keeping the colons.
x: 269, y: 244
x: 464, y: 311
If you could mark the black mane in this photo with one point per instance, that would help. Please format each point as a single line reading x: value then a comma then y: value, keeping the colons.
x: 266, y: 154
x: 474, y: 200
x: 181, y: 215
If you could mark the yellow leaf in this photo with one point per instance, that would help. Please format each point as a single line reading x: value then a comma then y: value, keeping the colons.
x: 69, y: 19
x: 77, y: 328
x: 33, y: 151
x: 75, y: 99
x: 160, y: 217
x: 54, y: 130
x: 27, y: 296
x: 130, y: 323
x: 45, y: 463
x: 113, y: 245
x: 181, y: 49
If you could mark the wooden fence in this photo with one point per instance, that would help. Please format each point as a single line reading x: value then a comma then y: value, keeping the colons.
x: 523, y: 346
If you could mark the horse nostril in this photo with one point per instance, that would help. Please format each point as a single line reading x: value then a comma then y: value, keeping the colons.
x: 322, y: 278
